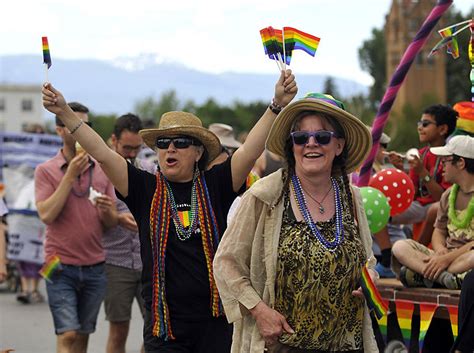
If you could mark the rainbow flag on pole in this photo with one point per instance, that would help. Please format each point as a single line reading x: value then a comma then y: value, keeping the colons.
x: 46, y: 53
x: 272, y: 40
x: 372, y: 295
x: 300, y: 40
x: 52, y: 264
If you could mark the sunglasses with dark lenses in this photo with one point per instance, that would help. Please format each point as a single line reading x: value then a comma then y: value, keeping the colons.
x: 178, y: 142
x: 322, y: 137
x: 384, y: 145
x: 424, y: 123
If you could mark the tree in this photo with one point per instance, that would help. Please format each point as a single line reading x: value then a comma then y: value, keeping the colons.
x: 103, y: 124
x: 372, y: 57
x: 151, y: 109
x: 330, y: 87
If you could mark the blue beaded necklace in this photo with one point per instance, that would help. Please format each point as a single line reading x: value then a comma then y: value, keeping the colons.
x: 303, y: 207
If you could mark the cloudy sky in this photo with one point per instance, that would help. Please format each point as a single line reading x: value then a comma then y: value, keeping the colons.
x: 208, y: 35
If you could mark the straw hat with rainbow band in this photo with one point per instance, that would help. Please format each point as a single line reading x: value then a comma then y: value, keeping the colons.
x: 465, y: 122
x: 358, y: 141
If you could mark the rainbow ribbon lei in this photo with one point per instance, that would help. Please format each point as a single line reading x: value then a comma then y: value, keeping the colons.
x: 46, y: 53
x: 52, y: 265
x: 372, y: 295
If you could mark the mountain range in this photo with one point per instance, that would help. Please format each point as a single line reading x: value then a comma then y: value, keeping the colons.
x: 113, y: 87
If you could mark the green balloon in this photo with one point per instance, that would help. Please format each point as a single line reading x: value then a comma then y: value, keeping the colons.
x: 376, y: 206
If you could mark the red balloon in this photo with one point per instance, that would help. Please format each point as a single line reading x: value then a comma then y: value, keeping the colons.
x: 397, y: 186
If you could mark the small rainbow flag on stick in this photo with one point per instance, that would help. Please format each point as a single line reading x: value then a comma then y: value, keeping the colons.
x: 372, y: 295
x: 46, y: 56
x: 53, y: 264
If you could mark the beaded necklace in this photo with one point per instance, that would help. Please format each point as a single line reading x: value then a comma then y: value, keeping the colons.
x: 160, y: 214
x: 184, y: 233
x: 303, y: 207
x: 459, y: 223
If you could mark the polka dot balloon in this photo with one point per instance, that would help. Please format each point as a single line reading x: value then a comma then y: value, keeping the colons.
x: 397, y: 186
x: 376, y: 208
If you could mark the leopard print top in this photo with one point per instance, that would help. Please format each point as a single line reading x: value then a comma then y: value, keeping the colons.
x: 314, y: 286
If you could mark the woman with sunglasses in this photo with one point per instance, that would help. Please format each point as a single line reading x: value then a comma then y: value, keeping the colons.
x: 181, y: 214
x: 289, y: 265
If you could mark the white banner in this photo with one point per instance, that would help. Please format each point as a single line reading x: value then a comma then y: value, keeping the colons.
x: 25, y: 237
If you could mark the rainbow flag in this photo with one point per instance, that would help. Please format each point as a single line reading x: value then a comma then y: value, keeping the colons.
x: 452, y: 44
x: 184, y: 218
x: 404, y: 316
x: 453, y: 316
x: 297, y: 39
x: 427, y: 311
x: 372, y: 295
x: 383, y: 324
x: 46, y: 53
x: 272, y: 40
x: 53, y: 264
x: 251, y: 179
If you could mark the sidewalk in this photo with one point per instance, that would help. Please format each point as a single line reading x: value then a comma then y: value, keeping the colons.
x: 29, y: 328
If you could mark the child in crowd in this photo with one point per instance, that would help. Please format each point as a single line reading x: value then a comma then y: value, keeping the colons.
x: 436, y: 124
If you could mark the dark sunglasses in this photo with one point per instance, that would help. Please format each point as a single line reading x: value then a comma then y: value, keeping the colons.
x: 384, y: 145
x: 178, y: 142
x: 89, y: 123
x: 322, y: 137
x: 424, y: 123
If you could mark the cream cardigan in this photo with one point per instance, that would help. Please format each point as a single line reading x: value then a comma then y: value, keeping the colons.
x: 246, y: 260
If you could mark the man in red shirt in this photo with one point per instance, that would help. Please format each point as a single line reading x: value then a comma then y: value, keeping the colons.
x: 76, y: 201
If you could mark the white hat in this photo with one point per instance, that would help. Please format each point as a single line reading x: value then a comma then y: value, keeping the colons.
x: 460, y: 145
x: 225, y: 133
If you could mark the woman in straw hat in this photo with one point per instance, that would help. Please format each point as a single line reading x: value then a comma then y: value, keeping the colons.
x: 288, y: 270
x: 181, y: 213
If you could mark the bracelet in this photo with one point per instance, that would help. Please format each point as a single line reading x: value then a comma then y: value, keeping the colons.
x: 275, y: 108
x: 77, y: 127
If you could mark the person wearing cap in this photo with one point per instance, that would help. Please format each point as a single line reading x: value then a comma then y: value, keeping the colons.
x: 225, y: 134
x: 181, y: 215
x: 289, y: 264
x: 453, y: 236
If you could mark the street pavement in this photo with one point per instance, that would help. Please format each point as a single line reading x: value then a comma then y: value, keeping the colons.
x: 29, y: 328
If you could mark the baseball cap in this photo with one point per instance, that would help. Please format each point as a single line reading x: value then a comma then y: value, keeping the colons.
x: 460, y: 145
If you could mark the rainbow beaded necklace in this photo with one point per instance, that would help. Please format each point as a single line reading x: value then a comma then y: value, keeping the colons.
x: 162, y: 210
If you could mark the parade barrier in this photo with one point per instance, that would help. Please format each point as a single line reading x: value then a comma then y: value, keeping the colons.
x: 422, y: 318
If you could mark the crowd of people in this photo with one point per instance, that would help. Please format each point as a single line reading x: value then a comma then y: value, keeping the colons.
x: 244, y: 246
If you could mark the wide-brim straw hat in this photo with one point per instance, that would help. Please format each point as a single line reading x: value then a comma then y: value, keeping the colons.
x: 182, y: 124
x: 358, y: 140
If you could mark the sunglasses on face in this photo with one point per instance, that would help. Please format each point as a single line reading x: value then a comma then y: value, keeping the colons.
x: 424, y: 123
x: 322, y: 137
x: 178, y: 142
x: 384, y: 145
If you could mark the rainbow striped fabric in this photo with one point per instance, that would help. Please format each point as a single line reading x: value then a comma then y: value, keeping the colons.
x: 46, y: 53
x: 372, y: 295
x: 404, y: 316
x: 427, y: 311
x: 452, y: 44
x: 297, y: 39
x: 52, y: 264
x: 272, y: 40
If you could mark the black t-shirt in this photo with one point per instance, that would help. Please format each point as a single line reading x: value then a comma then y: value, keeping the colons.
x: 187, y: 281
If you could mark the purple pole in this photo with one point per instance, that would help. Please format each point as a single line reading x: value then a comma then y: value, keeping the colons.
x: 395, y: 83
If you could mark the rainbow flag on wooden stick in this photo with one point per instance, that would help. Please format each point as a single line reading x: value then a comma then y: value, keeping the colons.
x: 52, y: 265
x: 372, y: 295
x: 46, y: 53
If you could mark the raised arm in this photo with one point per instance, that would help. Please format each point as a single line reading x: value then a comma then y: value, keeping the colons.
x: 244, y: 158
x: 114, y: 165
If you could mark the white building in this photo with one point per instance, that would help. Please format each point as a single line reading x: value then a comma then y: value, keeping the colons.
x: 20, y: 105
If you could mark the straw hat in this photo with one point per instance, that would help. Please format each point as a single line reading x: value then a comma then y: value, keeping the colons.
x: 182, y: 124
x: 358, y: 141
x: 225, y: 133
